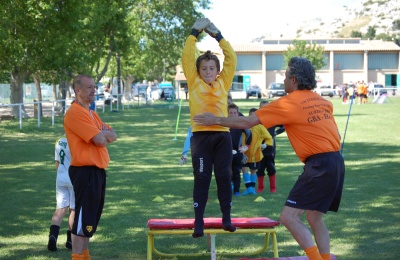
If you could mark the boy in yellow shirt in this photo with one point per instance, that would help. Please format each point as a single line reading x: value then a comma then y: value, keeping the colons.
x: 211, y: 146
x: 260, y: 136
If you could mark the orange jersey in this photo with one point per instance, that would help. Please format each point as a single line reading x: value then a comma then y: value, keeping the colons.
x: 81, y: 126
x: 208, y: 98
x: 259, y: 135
x: 308, y: 120
x: 360, y: 89
x: 365, y: 89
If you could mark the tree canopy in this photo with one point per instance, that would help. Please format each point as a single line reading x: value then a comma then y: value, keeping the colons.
x: 313, y: 52
x: 56, y: 39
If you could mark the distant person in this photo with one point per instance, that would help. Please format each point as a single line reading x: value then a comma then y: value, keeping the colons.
x: 351, y: 93
x: 259, y: 136
x: 64, y: 195
x: 268, y: 161
x: 316, y: 141
x: 345, y: 93
x: 240, y: 138
x: 211, y: 146
x: 88, y: 137
x: 186, y: 147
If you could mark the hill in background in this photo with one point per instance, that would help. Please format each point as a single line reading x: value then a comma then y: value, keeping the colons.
x: 381, y: 15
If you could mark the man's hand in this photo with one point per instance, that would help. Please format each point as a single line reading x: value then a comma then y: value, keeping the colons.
x: 205, y: 119
x: 183, y: 159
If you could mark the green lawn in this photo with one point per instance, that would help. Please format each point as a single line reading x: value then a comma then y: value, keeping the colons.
x: 144, y: 164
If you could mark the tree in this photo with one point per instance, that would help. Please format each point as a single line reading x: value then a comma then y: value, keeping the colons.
x: 159, y: 30
x: 54, y: 40
x: 33, y: 36
x: 313, y: 52
x: 356, y: 34
x: 370, y: 33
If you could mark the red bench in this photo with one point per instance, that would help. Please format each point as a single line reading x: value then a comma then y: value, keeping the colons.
x: 212, y: 226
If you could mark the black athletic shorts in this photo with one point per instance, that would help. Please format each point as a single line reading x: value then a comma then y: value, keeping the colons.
x: 89, y: 184
x: 252, y: 165
x: 320, y: 185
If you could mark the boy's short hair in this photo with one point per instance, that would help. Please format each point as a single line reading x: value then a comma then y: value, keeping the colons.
x: 207, y: 56
x: 252, y: 110
x: 233, y: 106
x: 263, y: 102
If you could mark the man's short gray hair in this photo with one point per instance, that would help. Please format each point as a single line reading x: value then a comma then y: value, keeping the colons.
x: 302, y: 69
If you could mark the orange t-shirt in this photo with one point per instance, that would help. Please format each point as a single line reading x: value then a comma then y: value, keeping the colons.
x: 81, y: 126
x: 308, y: 120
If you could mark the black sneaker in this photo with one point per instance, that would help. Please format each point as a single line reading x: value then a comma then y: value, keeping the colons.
x: 229, y: 227
x: 68, y: 245
x: 52, y: 245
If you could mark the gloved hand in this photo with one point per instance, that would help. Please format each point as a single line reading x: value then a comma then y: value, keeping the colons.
x: 263, y: 146
x: 234, y: 152
x: 244, y: 159
x: 213, y: 31
x: 199, y: 26
x: 183, y: 159
x: 243, y: 148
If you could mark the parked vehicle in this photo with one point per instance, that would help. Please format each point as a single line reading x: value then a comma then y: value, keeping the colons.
x: 253, y: 91
x: 167, y: 93
x: 276, y: 89
x: 325, y: 90
x: 166, y: 90
x: 378, y: 89
x: 140, y: 90
x: 100, y: 91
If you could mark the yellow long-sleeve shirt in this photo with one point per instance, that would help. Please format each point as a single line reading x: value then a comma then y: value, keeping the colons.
x: 259, y: 135
x: 211, y: 98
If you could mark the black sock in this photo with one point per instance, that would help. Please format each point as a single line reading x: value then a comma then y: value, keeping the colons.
x: 69, y: 236
x: 54, y: 230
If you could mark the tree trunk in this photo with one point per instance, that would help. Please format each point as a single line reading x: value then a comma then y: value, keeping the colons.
x: 17, y: 92
x: 64, y: 86
x: 128, y: 83
x: 39, y: 91
x: 55, y: 96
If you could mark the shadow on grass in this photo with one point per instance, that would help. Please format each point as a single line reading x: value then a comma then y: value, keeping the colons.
x: 144, y: 165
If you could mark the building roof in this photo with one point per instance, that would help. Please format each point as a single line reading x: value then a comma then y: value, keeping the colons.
x: 337, y: 45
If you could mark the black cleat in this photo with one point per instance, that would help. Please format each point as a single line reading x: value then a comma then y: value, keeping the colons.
x: 52, y: 245
x: 68, y: 245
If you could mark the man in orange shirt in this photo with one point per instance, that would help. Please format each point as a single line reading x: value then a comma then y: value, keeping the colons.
x: 87, y: 137
x: 313, y: 134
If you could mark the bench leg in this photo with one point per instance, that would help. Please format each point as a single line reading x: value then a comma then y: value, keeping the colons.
x: 275, y: 245
x: 213, y: 250
x: 150, y: 245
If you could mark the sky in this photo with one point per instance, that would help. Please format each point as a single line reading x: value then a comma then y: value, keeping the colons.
x: 240, y: 21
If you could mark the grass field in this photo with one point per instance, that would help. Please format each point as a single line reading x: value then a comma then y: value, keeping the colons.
x: 144, y: 164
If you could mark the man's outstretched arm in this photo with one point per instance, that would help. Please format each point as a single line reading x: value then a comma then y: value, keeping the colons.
x: 240, y: 122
